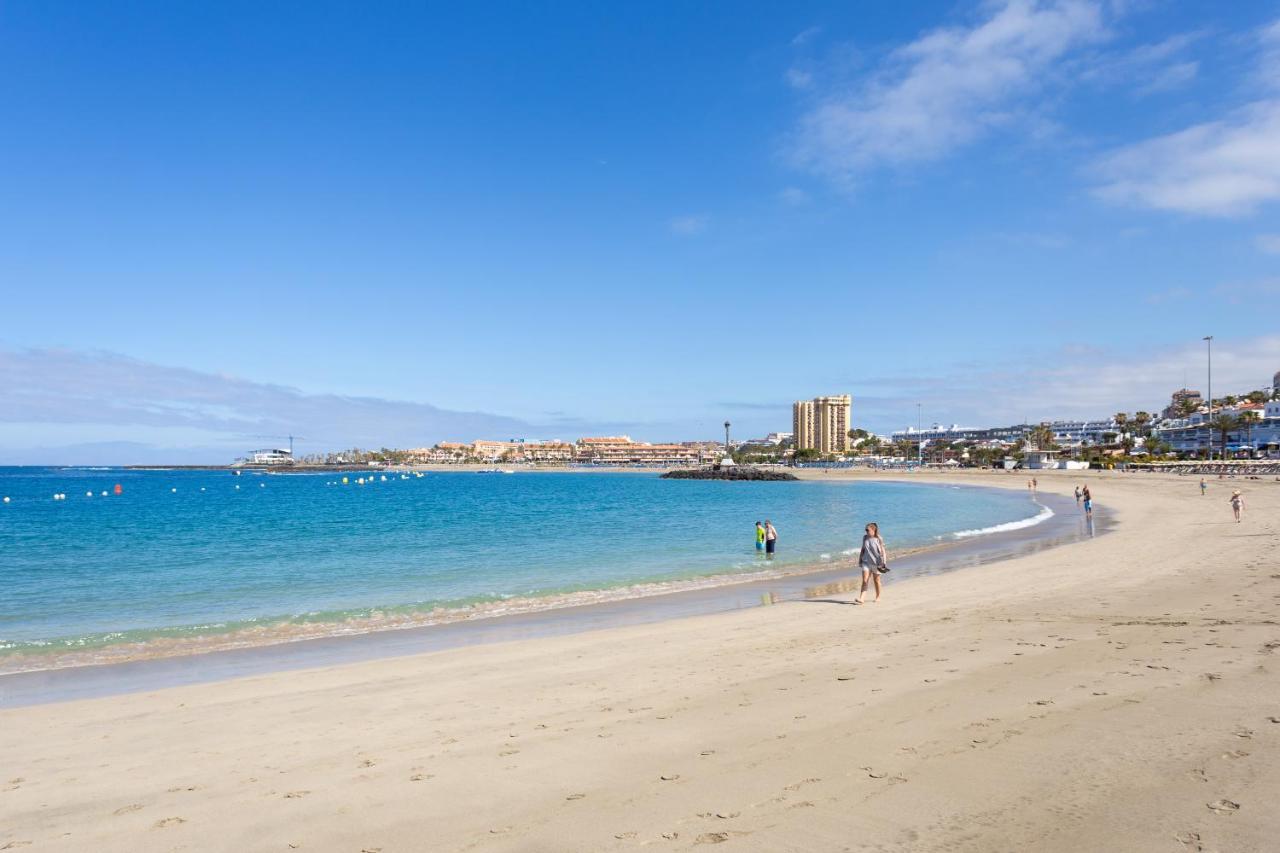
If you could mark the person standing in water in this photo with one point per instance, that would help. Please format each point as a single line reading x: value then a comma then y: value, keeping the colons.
x: 759, y: 536
x: 1088, y: 502
x: 1077, y: 495
x: 770, y: 538
x: 1237, y: 504
x: 874, y: 560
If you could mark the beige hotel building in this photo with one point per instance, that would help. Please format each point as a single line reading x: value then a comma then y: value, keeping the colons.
x: 823, y: 424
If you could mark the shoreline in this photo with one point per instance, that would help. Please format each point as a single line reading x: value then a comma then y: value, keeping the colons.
x: 1109, y: 695
x: 149, y: 664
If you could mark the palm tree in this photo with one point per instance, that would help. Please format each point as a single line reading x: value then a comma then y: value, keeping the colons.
x: 1224, y: 425
x: 1121, y: 419
x: 1140, y: 421
x: 1041, y: 436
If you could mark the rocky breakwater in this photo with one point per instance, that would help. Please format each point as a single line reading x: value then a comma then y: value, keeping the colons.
x: 736, y: 472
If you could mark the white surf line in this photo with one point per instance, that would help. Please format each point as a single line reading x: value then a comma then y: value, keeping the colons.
x: 1043, y: 515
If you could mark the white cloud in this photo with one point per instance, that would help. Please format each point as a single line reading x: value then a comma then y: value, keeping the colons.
x: 798, y: 78
x: 1226, y: 167
x: 1170, y: 77
x: 74, y: 396
x: 1269, y: 243
x: 689, y: 226
x: 944, y: 90
x: 805, y: 36
x: 1219, y: 168
x: 793, y: 196
x: 1070, y: 385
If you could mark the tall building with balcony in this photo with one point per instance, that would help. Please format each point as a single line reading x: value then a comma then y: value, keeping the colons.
x: 823, y: 424
x: 802, y: 424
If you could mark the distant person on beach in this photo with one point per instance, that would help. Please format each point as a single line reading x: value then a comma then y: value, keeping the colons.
x: 1035, y: 484
x: 1088, y: 502
x: 1203, y: 486
x: 1237, y: 504
x: 874, y: 560
x: 1077, y: 495
x: 770, y: 538
x: 1029, y: 486
x: 759, y: 536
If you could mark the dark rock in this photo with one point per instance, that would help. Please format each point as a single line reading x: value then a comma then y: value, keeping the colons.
x: 735, y: 472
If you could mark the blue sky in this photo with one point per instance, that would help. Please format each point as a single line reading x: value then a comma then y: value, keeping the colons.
x: 411, y: 222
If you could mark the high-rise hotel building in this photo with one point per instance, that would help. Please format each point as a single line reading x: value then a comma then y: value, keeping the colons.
x: 823, y: 424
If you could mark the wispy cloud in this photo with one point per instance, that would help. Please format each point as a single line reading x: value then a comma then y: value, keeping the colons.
x: 103, y: 393
x: 1268, y: 243
x: 1066, y: 385
x: 1219, y: 168
x: 1148, y: 68
x: 805, y: 36
x: 690, y: 225
x: 793, y: 196
x: 1226, y: 167
x: 798, y: 78
x: 944, y: 90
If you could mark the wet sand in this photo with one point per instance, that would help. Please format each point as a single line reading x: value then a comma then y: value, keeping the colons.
x: 1114, y: 693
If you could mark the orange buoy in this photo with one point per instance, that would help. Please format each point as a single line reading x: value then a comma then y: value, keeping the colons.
x: 118, y: 489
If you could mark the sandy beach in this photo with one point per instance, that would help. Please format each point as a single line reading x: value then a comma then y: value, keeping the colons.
x: 1119, y: 693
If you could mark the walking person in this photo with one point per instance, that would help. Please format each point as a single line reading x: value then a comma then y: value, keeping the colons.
x: 759, y: 536
x: 1203, y: 486
x: 1035, y: 484
x: 1237, y: 504
x: 770, y: 538
x: 1088, y: 502
x: 874, y: 560
x: 1077, y: 495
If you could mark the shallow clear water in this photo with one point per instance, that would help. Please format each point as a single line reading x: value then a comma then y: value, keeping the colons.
x: 210, y: 557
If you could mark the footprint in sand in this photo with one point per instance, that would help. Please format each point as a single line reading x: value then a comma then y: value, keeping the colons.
x: 296, y: 795
x: 1191, y: 839
x: 132, y: 807
x: 421, y: 777
x: 712, y: 838
x: 575, y: 796
x: 14, y: 845
x: 624, y: 835
x: 1223, y: 806
x: 168, y: 822
x: 669, y: 777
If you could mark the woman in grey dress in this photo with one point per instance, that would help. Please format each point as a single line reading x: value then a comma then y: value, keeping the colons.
x: 873, y: 559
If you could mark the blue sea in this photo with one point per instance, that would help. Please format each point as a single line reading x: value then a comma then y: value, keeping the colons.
x: 209, y: 557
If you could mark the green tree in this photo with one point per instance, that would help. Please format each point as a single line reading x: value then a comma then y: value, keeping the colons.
x: 1041, y: 436
x: 1140, y: 421
x: 1224, y: 425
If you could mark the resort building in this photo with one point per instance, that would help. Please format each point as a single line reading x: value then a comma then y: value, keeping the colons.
x: 823, y: 424
x: 622, y: 450
x: 547, y: 451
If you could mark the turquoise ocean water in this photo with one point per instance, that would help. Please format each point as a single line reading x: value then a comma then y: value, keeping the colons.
x: 186, y: 554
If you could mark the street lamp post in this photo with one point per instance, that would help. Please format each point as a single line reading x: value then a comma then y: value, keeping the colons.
x: 919, y: 437
x: 726, y: 440
x: 1208, y: 339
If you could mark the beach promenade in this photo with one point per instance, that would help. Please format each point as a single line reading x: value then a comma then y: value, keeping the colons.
x: 1120, y: 693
